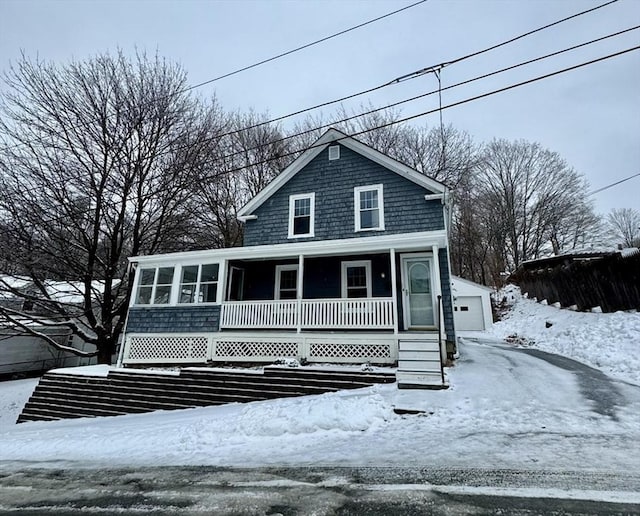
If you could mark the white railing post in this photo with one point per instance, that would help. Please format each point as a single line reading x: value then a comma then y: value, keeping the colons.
x: 299, y: 292
x: 394, y: 290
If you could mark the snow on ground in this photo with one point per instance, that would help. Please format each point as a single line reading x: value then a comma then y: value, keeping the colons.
x: 505, y: 409
x: 13, y: 396
x: 609, y: 342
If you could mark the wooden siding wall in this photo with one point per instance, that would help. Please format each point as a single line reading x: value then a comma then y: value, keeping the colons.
x: 174, y: 319
x: 405, y: 209
x: 612, y: 283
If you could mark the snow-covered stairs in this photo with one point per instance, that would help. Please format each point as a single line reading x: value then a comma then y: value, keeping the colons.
x: 65, y: 396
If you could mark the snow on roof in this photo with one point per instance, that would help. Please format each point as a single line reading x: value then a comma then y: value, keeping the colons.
x: 71, y: 292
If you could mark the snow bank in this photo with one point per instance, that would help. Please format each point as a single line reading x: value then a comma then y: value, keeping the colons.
x: 610, y: 342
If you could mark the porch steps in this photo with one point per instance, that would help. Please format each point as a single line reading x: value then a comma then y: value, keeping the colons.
x: 420, y: 365
x: 68, y: 396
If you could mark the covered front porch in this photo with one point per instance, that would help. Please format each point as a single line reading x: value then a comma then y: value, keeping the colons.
x: 347, y: 301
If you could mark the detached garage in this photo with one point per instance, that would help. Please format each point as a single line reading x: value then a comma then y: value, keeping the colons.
x: 471, y: 305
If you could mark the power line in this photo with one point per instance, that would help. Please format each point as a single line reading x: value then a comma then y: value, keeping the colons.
x: 611, y: 185
x: 273, y: 58
x: 411, y: 99
x: 302, y: 47
x: 430, y: 69
x: 415, y: 74
x: 403, y: 78
x: 455, y: 104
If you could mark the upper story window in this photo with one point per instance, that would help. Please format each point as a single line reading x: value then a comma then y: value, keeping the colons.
x: 154, y: 286
x: 368, y: 208
x: 356, y: 279
x: 301, y: 215
x: 199, y: 283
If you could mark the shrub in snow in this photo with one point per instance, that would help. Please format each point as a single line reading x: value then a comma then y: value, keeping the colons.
x: 289, y: 362
x: 366, y: 367
x: 517, y: 340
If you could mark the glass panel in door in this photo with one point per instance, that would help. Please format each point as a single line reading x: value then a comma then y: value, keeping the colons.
x: 419, y: 292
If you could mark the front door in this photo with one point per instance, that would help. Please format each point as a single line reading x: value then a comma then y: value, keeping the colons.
x: 418, y: 292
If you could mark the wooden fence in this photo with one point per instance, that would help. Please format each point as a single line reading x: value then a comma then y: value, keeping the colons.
x: 611, y: 282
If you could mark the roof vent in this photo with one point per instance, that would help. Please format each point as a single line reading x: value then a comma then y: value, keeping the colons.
x: 334, y: 152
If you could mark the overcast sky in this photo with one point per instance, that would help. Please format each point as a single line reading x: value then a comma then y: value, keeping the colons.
x: 590, y: 116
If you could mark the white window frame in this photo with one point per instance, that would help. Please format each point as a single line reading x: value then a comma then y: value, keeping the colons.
x: 343, y: 277
x: 154, y: 285
x: 279, y: 269
x: 312, y: 214
x: 198, y: 284
x: 356, y: 207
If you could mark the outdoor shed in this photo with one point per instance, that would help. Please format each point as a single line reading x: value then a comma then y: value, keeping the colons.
x: 471, y: 305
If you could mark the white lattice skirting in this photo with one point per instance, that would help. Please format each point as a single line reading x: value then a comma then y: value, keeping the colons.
x: 159, y: 348
x: 347, y: 348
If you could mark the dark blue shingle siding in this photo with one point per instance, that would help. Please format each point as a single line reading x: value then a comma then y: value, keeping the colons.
x: 174, y: 319
x: 405, y: 209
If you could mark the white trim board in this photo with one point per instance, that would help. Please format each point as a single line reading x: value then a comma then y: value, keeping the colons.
x: 422, y: 240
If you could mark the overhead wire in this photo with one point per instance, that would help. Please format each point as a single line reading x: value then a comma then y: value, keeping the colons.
x: 439, y: 109
x: 428, y: 112
x: 273, y: 58
x: 406, y: 76
x: 611, y: 185
x: 375, y: 88
x: 454, y: 104
x: 302, y: 47
x: 422, y: 95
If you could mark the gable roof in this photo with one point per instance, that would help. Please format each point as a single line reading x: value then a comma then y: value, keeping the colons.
x: 334, y: 136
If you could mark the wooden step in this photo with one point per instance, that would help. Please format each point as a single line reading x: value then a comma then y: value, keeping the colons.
x: 64, y: 396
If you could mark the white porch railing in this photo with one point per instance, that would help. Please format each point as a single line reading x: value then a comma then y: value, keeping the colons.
x: 370, y: 313
x: 374, y: 313
x: 259, y: 314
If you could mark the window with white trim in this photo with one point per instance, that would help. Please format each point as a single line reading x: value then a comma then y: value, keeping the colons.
x: 199, y: 283
x: 368, y: 205
x: 301, y: 215
x: 154, y: 286
x: 356, y: 279
x: 286, y: 286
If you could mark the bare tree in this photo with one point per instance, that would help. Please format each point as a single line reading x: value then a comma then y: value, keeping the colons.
x: 625, y: 225
x: 446, y: 155
x: 249, y: 154
x: 528, y: 191
x: 96, y: 163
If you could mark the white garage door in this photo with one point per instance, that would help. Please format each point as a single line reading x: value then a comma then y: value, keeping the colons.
x: 467, y: 311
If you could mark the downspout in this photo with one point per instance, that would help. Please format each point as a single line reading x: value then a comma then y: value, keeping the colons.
x: 448, y: 206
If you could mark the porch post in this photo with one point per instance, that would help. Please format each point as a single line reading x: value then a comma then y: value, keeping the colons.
x: 222, y: 282
x: 438, y: 292
x: 394, y: 290
x: 299, y: 292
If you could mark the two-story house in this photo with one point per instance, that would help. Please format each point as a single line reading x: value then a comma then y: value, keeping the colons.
x: 345, y: 260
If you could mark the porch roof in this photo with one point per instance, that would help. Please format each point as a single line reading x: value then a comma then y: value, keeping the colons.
x: 401, y: 242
